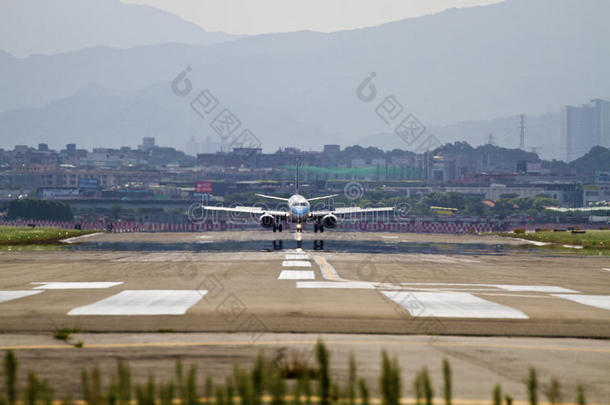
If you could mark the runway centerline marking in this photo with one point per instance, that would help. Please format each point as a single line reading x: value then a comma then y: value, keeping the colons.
x: 296, y: 263
x: 143, y: 302
x: 597, y: 301
x: 451, y: 305
x: 296, y: 275
x: 14, y: 295
x: 297, y: 257
x: 75, y: 285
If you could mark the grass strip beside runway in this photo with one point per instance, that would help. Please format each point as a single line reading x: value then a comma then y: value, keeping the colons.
x: 15, y: 235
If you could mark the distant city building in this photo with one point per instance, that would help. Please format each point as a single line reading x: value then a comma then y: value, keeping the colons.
x: 585, y: 127
x: 43, y: 147
x: 148, y: 142
x: 332, y: 149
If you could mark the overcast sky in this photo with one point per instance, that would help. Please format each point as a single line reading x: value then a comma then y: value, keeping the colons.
x: 264, y: 16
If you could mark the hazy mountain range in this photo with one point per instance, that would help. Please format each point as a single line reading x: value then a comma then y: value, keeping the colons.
x: 466, y: 66
x: 46, y: 27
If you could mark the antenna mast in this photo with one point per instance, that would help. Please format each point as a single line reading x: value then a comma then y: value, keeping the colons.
x: 522, y: 134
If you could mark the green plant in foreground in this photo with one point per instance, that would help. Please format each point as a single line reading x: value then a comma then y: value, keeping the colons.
x: 10, y: 373
x: 124, y: 383
x: 532, y: 387
x: 447, y: 389
x: 553, y: 391
x: 390, y: 380
x: 191, y: 397
x: 269, y: 380
x: 364, y: 392
x: 497, y: 395
x: 323, y: 373
x: 258, y: 378
x: 580, y: 395
x: 277, y: 389
x: 351, y: 380
x: 209, y: 389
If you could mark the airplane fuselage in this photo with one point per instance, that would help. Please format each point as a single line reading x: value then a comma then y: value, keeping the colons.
x: 299, y: 208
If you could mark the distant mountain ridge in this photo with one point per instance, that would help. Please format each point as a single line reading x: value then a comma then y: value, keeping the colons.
x: 299, y: 89
x: 49, y: 27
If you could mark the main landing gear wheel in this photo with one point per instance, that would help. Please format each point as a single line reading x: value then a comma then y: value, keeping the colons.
x: 315, y: 228
x: 279, y: 227
x: 274, y: 228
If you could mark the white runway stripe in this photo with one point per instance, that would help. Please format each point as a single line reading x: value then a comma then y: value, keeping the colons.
x: 297, y: 257
x: 336, y: 284
x: 13, y: 295
x: 296, y: 275
x: 143, y: 302
x: 76, y: 285
x: 451, y: 305
x: 597, y: 301
x: 295, y: 263
x: 535, y: 288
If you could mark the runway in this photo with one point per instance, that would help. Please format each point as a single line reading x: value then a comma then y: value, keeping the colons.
x: 505, y: 292
x: 490, y: 306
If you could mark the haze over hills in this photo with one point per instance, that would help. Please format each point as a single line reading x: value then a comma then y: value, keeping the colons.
x: 47, y: 27
x: 299, y: 89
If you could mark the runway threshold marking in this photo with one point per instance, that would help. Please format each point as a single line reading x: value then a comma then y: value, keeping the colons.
x: 75, y: 285
x: 312, y: 342
x: 597, y: 301
x: 451, y: 305
x: 143, y: 302
x: 14, y: 295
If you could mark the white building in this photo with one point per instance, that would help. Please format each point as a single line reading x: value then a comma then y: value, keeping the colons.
x: 585, y: 127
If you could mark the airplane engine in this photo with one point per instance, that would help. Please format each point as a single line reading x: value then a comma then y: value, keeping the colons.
x: 266, y: 220
x: 329, y: 221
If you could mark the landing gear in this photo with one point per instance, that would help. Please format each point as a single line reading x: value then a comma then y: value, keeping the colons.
x: 277, y: 227
x: 299, y: 228
x: 274, y: 228
x: 318, y: 227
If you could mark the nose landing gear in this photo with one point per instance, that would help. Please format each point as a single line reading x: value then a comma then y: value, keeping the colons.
x: 299, y: 228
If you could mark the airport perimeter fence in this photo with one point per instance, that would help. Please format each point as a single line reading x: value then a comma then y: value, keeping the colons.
x: 414, y: 226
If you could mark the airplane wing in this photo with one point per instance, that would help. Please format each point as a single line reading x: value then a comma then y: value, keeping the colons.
x: 323, y: 197
x: 345, y: 211
x: 247, y: 210
x: 272, y: 197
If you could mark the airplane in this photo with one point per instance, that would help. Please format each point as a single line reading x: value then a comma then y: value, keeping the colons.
x: 299, y: 211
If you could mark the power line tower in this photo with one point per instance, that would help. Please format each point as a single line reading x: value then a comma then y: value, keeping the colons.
x: 522, y: 134
x: 490, y: 139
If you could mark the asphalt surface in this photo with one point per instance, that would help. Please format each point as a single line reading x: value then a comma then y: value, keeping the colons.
x: 492, y: 311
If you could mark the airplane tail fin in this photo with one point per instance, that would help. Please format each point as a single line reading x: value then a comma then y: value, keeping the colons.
x: 296, y: 183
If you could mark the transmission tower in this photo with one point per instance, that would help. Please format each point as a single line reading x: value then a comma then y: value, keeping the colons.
x: 522, y: 134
